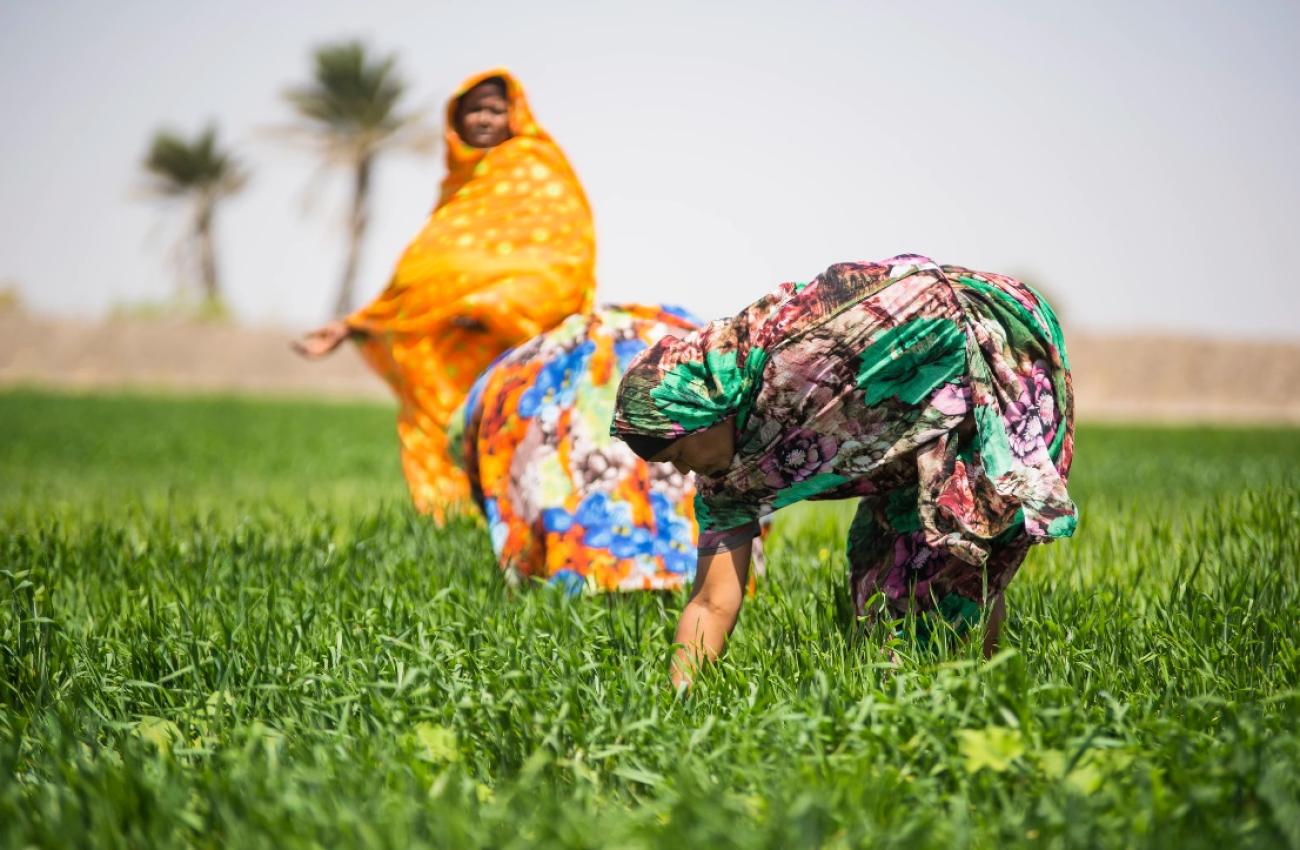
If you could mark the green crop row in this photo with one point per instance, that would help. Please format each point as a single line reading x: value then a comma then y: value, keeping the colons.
x: 222, y: 626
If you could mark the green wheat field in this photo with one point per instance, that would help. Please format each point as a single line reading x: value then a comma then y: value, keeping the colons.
x: 222, y: 626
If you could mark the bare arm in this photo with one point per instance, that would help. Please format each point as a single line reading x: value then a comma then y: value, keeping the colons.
x: 711, y: 612
x: 323, y: 340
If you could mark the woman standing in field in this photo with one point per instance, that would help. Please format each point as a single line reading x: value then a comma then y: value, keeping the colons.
x: 937, y: 395
x: 507, y: 253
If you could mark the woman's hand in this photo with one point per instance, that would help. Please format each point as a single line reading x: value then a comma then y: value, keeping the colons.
x: 711, y: 613
x: 322, y: 341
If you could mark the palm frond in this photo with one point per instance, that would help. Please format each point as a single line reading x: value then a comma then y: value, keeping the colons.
x: 183, y: 166
x: 353, y: 97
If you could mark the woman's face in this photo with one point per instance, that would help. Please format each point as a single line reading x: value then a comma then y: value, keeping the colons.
x: 708, y: 452
x: 483, y: 116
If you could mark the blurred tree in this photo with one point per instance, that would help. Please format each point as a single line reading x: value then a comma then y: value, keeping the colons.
x: 201, y: 172
x: 351, y: 112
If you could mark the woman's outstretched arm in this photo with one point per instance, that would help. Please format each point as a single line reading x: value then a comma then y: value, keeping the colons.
x: 323, y: 340
x: 711, y: 612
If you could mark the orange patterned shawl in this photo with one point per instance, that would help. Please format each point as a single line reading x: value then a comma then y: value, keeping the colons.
x: 510, y: 245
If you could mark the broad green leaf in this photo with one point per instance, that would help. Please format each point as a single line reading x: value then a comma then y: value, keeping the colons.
x: 159, y: 731
x: 437, y: 744
x: 994, y: 747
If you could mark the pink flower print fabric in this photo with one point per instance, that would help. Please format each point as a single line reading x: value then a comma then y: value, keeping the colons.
x: 941, y: 386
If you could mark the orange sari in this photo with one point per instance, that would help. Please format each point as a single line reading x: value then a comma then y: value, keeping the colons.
x: 510, y: 246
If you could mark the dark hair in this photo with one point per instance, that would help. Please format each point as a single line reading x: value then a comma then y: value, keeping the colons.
x: 496, y: 82
x: 646, y: 447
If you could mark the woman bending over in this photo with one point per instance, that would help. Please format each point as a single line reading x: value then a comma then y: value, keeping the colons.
x: 938, y: 396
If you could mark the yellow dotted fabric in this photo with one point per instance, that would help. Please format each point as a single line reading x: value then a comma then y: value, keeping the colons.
x: 510, y: 247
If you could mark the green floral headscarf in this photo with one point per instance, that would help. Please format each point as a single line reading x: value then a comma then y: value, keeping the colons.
x: 684, y: 385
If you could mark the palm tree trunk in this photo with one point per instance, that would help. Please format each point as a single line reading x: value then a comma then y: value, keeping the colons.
x: 207, y: 252
x: 356, y: 231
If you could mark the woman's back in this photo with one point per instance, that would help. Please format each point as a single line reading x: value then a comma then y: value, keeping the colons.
x: 565, y: 502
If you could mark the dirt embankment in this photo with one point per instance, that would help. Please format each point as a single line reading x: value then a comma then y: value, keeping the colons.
x: 1129, y: 376
x: 172, y: 355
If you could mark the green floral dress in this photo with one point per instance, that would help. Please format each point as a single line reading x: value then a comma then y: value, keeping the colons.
x: 938, y: 396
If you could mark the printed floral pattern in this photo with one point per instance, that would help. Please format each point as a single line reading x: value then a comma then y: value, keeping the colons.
x: 799, y: 456
x: 939, y: 395
x: 564, y: 502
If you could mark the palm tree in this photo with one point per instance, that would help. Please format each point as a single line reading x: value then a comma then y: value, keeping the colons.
x: 350, y: 111
x: 199, y: 171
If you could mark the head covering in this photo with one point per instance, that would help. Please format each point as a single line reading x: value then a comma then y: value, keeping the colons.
x: 462, y: 158
x: 510, y: 242
x: 684, y: 385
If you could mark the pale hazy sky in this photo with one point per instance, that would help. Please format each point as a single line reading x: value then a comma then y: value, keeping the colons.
x: 1137, y: 159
